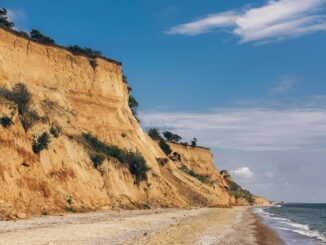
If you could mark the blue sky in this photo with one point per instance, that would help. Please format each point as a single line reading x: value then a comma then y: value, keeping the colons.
x: 246, y: 77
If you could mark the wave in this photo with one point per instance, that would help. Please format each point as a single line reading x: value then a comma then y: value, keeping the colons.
x: 289, y: 225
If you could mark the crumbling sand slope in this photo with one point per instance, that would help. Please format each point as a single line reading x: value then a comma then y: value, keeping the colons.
x: 69, y: 92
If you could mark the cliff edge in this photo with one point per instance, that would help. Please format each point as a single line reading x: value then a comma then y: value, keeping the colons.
x: 72, y: 94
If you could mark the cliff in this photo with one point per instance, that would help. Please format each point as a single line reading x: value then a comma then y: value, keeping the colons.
x: 78, y: 97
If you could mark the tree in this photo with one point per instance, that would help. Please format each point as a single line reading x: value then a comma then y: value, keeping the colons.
x: 171, y: 137
x: 154, y: 134
x: 38, y: 36
x: 194, y: 142
x: 84, y: 51
x: 4, y: 19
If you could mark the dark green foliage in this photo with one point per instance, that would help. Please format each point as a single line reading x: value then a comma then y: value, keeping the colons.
x: 4, y: 19
x: 169, y: 136
x: 91, y: 53
x: 69, y: 201
x: 55, y: 131
x: 41, y: 142
x: 24, y: 34
x: 100, y: 150
x: 184, y: 143
x: 154, y: 133
x: 100, y: 147
x: 93, y: 63
x: 19, y: 95
x: 194, y: 142
x: 201, y: 178
x: 38, y: 36
x: 137, y: 166
x: 133, y: 104
x: 44, y: 213
x: 28, y: 119
x: 70, y: 209
x: 165, y: 147
x: 97, y: 159
x: 238, y: 192
x: 6, y: 122
x: 123, y: 135
x: 23, y: 99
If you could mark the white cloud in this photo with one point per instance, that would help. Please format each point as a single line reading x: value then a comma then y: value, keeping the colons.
x: 243, y: 172
x: 276, y: 20
x: 248, y: 129
x: 286, y: 84
x: 17, y: 16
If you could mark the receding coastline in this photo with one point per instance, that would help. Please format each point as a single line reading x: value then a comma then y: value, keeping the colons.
x: 223, y: 226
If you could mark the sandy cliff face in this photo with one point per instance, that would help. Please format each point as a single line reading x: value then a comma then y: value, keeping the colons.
x: 69, y: 92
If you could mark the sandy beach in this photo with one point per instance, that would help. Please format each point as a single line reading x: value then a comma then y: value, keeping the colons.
x: 203, y: 226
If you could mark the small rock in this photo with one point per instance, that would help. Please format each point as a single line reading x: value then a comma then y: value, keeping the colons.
x: 21, y: 215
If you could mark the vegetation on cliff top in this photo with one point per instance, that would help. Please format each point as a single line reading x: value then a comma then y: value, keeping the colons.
x: 4, y: 22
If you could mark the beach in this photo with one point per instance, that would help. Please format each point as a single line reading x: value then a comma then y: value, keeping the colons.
x: 203, y: 226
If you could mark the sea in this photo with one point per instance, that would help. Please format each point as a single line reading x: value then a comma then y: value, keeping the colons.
x: 297, y: 223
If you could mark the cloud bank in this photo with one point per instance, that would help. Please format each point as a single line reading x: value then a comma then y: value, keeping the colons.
x: 248, y: 129
x: 276, y: 20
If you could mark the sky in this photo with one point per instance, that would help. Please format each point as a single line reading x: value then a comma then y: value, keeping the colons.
x: 245, y: 77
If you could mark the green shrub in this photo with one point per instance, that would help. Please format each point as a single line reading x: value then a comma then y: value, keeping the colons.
x: 55, y: 131
x: 93, y: 63
x: 41, y: 143
x: 133, y: 104
x: 171, y: 137
x: 165, y: 147
x: 70, y: 209
x: 19, y: 95
x: 97, y: 159
x: 91, y: 53
x: 44, y: 213
x: 100, y: 150
x: 38, y: 36
x: 154, y: 133
x: 137, y: 166
x: 4, y: 19
x: 194, y: 142
x: 6, y: 122
x: 201, y: 178
x: 69, y: 201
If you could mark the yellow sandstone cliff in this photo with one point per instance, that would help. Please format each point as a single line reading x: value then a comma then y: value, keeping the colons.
x: 70, y: 93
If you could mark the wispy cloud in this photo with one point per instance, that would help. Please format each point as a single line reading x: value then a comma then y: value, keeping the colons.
x: 248, y: 129
x: 286, y: 84
x: 276, y: 20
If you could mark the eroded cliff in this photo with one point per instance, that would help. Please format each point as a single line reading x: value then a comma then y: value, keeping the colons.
x: 69, y: 92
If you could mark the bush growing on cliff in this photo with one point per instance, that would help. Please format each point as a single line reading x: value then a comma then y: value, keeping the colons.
x: 165, y: 147
x: 100, y: 150
x: 169, y: 136
x: 55, y: 131
x: 194, y: 142
x: 202, y: 178
x: 41, y: 142
x: 133, y: 104
x: 4, y: 22
x: 154, y: 133
x: 39, y: 37
x: 91, y: 53
x: 6, y: 122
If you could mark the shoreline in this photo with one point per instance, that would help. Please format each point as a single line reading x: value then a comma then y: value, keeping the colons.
x: 265, y: 235
x: 197, y: 226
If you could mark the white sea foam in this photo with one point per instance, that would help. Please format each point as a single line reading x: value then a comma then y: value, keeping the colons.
x: 290, y: 225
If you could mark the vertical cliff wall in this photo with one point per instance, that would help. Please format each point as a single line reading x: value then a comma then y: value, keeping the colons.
x: 69, y: 92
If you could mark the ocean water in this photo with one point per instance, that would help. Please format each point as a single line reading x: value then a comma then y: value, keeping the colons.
x: 299, y: 224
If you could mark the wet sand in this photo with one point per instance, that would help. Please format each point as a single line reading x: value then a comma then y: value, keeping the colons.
x: 205, y: 226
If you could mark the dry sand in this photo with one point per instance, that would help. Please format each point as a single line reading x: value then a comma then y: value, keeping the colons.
x: 205, y: 226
